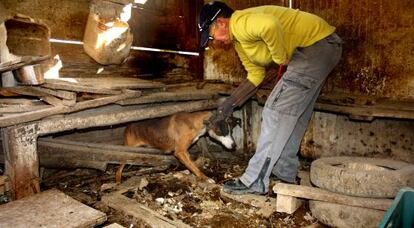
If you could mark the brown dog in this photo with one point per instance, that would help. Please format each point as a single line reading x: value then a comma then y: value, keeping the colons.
x: 178, y: 132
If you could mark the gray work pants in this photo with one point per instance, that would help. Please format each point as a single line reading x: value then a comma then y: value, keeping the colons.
x: 287, y: 112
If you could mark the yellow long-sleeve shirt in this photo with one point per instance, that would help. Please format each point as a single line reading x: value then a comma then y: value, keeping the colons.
x: 271, y: 33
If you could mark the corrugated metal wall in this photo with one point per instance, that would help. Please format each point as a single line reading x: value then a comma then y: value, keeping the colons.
x: 379, y: 40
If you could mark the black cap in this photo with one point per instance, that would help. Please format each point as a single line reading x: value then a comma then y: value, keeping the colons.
x: 208, y: 15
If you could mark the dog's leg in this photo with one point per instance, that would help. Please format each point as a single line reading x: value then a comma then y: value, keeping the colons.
x: 182, y: 154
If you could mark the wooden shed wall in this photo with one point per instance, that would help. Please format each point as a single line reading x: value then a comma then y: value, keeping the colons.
x: 378, y: 35
x: 164, y: 24
x: 379, y: 40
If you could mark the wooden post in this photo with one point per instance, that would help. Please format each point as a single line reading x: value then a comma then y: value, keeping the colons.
x: 21, y: 162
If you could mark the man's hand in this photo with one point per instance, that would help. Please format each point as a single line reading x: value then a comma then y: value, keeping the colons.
x: 240, y: 95
x: 226, y: 108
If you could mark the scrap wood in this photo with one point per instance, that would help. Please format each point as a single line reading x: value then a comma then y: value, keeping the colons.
x: 142, y: 150
x: 21, y: 108
x: 19, y: 101
x: 51, y: 208
x: 47, y: 95
x: 64, y: 154
x: 170, y: 96
x: 21, y: 62
x: 57, y: 93
x: 39, y: 114
x: 77, y: 87
x: 52, y: 100
x: 327, y: 196
x: 118, y: 83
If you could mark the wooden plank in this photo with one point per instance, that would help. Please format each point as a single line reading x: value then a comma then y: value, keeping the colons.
x: 21, y: 161
x: 119, y: 83
x: 51, y: 208
x: 170, y: 96
x: 39, y: 114
x: 366, y: 111
x: 142, y: 150
x: 76, y: 87
x: 47, y: 95
x: 104, y: 100
x: 327, y: 196
x: 21, y: 108
x: 133, y: 208
x: 52, y: 100
x: 20, y: 101
x: 21, y: 90
x: 80, y: 155
x: 57, y: 93
x: 20, y: 62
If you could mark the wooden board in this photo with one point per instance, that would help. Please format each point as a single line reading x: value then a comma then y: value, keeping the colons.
x: 327, y: 196
x: 77, y: 87
x: 51, y: 208
x: 170, y: 96
x: 53, y: 110
x: 358, y: 108
x: 67, y: 154
x: 119, y: 83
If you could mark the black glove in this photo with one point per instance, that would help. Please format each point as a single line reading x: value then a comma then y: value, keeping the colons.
x: 240, y: 95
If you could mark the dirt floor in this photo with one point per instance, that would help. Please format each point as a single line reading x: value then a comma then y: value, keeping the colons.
x: 175, y: 194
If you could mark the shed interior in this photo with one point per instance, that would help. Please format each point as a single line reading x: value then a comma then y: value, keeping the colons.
x: 107, y: 63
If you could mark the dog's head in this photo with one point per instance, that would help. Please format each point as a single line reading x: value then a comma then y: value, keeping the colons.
x: 220, y: 129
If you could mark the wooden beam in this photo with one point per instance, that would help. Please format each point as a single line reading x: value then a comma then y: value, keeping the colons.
x: 66, y: 154
x: 52, y: 100
x: 20, y: 101
x: 118, y: 83
x: 76, y: 87
x: 169, y: 96
x: 139, y: 150
x: 21, y: 62
x: 327, y: 196
x: 366, y: 111
x: 39, y: 114
x: 22, y: 108
x: 21, y: 161
x: 57, y: 93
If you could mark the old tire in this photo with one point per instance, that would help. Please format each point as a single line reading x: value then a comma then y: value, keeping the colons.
x: 337, y: 215
x: 360, y: 176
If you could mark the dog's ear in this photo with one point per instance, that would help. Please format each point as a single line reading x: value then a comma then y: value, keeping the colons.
x: 233, y: 121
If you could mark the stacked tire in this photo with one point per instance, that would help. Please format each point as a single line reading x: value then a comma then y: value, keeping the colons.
x: 360, y: 177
